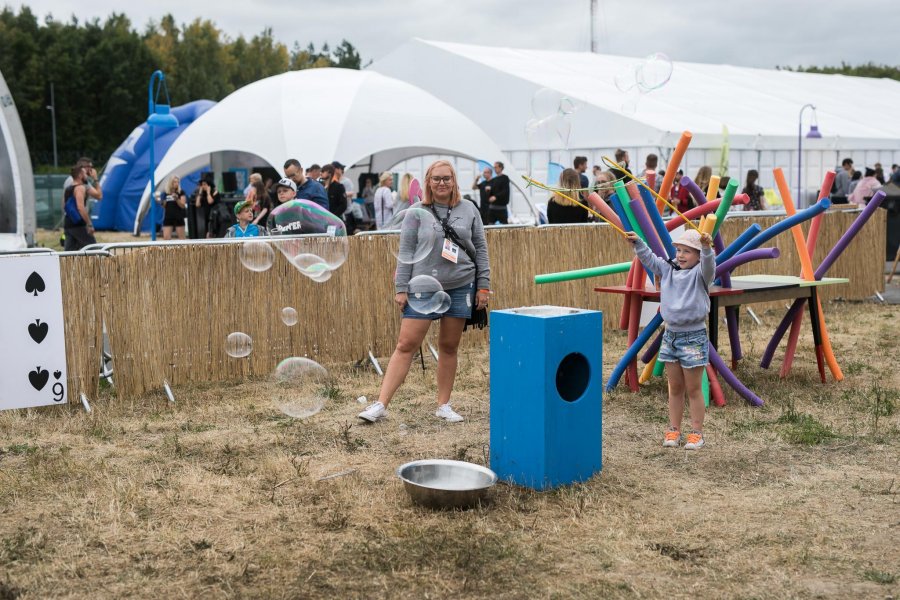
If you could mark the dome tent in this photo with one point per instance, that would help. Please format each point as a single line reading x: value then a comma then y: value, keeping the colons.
x: 128, y: 169
x: 357, y: 117
x: 17, y: 218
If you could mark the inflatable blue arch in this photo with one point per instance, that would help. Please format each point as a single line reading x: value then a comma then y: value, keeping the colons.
x: 128, y: 170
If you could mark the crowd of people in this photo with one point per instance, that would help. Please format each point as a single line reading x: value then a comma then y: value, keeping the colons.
x: 858, y: 187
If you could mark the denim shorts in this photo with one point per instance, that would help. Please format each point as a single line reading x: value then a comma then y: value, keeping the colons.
x: 461, y: 300
x: 690, y: 348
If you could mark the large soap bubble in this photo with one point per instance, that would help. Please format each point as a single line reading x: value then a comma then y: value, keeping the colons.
x: 238, y: 344
x: 548, y: 103
x: 324, y: 234
x: 653, y: 72
x: 257, y: 255
x: 418, y: 233
x: 426, y: 295
x: 299, y: 387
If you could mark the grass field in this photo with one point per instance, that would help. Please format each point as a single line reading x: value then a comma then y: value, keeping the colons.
x: 219, y: 495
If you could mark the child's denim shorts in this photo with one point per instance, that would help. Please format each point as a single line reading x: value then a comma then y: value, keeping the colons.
x: 461, y: 301
x: 690, y: 348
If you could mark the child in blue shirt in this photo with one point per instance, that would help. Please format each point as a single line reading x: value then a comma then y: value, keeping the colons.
x: 684, y: 305
x: 244, y: 228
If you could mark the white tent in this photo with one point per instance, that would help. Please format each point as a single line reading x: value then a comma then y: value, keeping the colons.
x: 17, y: 219
x: 760, y: 108
x: 358, y: 117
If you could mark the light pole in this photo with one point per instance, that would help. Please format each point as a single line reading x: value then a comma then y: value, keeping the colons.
x: 52, y: 108
x: 812, y: 134
x: 159, y: 115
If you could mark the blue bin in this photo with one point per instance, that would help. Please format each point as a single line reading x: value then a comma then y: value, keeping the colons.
x: 546, y: 395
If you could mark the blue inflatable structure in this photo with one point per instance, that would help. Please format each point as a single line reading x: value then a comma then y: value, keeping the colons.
x: 128, y: 170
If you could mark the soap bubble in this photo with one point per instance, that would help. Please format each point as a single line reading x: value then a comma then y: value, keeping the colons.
x: 327, y: 234
x: 418, y: 232
x: 238, y: 344
x: 310, y: 265
x: 289, y: 316
x: 426, y: 295
x: 545, y: 103
x: 299, y: 387
x: 257, y: 255
x: 653, y: 72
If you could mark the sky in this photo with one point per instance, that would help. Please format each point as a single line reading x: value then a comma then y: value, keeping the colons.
x: 758, y: 33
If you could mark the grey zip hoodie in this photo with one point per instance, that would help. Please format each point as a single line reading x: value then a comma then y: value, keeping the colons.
x: 684, y: 293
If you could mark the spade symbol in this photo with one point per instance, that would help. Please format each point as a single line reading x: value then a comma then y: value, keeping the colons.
x: 38, y: 378
x: 35, y: 284
x: 38, y: 331
x: 57, y: 375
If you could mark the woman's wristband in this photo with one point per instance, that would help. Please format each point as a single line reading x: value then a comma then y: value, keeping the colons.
x: 483, y: 290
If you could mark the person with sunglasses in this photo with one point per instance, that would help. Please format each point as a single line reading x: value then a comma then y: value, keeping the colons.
x: 459, y: 262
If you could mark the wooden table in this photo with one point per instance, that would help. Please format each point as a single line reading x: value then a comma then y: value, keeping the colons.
x: 747, y: 289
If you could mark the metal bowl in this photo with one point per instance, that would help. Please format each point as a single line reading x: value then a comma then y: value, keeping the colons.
x: 440, y: 483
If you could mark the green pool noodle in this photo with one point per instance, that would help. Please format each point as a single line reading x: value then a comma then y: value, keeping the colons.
x: 583, y: 273
x: 659, y: 368
x: 625, y: 200
x: 704, y: 385
x: 725, y: 204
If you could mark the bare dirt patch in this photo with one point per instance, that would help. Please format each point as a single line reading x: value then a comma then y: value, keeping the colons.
x: 220, y: 495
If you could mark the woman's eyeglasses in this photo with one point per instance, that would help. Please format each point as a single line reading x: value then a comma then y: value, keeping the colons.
x: 437, y: 180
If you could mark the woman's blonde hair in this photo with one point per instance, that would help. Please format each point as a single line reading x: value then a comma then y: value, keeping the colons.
x: 570, y: 180
x: 255, y: 178
x: 403, y: 190
x: 172, y: 186
x: 454, y: 190
x: 384, y: 177
x: 702, y: 179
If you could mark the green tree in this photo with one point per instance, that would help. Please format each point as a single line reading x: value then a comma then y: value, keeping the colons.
x: 868, y: 69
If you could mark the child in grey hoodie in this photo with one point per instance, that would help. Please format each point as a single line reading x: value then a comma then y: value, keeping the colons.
x: 684, y: 305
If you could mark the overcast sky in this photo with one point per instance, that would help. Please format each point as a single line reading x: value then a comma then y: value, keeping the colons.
x: 758, y: 33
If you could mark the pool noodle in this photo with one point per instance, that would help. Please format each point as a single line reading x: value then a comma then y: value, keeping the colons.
x: 730, y: 378
x: 598, y: 204
x: 658, y: 224
x: 632, y: 351
x: 583, y: 273
x: 672, y: 167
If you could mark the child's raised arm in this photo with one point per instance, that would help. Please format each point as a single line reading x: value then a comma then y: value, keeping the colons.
x: 651, y: 262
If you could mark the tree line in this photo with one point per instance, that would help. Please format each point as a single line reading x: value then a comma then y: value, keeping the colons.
x: 868, y: 69
x: 100, y: 72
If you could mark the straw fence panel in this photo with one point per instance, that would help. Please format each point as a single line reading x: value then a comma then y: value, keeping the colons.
x: 169, y: 309
x: 82, y: 290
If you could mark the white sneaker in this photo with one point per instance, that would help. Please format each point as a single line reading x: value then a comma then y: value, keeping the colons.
x: 448, y: 414
x: 374, y: 412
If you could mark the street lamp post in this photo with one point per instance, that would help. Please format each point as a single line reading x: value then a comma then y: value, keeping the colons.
x: 159, y: 115
x: 812, y: 134
x: 52, y: 108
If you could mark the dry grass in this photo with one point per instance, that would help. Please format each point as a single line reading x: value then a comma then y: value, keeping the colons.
x: 219, y: 494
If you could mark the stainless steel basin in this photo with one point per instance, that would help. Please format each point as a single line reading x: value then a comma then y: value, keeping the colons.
x: 438, y: 483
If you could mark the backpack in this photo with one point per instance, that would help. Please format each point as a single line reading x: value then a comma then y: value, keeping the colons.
x: 71, y: 207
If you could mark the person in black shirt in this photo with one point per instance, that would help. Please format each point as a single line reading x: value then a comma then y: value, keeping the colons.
x: 561, y: 209
x: 499, y: 198
x: 337, y: 194
x: 483, y: 185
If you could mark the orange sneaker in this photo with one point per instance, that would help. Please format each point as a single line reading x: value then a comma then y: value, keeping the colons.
x: 694, y: 440
x: 672, y: 438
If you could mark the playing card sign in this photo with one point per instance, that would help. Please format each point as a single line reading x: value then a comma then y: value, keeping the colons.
x: 32, y: 336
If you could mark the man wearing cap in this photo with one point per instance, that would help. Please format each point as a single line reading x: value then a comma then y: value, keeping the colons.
x: 243, y: 211
x: 307, y: 189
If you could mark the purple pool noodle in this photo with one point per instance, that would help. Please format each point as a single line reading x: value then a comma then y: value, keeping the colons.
x: 785, y: 224
x: 731, y: 379
x: 745, y: 257
x: 733, y: 337
x: 738, y: 243
x: 780, y: 331
x: 851, y: 232
x: 658, y: 223
x: 643, y: 221
x: 632, y: 351
x: 694, y: 190
x: 652, y: 349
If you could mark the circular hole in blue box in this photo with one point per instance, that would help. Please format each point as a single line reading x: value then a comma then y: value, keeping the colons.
x: 573, y: 376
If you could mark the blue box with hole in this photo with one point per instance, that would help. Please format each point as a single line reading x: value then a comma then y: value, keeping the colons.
x: 546, y: 395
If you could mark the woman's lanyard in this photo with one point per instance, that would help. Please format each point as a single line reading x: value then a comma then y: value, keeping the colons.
x: 445, y: 222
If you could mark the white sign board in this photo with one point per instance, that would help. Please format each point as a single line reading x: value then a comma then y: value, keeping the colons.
x: 32, y: 336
